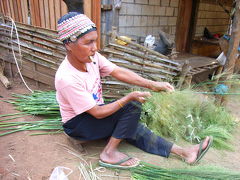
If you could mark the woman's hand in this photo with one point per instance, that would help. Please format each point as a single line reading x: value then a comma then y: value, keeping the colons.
x: 161, y: 86
x: 139, y: 96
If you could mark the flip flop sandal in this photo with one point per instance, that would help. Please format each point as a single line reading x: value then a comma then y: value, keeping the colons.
x: 117, y: 165
x: 202, y: 152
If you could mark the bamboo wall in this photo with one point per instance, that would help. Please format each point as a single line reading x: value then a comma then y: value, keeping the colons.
x: 42, y: 53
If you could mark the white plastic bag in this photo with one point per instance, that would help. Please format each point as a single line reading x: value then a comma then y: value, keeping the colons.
x: 149, y: 41
x: 117, y: 4
x: 58, y: 173
x: 222, y: 59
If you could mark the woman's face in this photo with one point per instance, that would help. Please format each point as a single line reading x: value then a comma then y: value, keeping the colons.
x: 84, y: 47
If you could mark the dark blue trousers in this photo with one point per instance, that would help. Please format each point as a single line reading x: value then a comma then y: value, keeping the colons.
x: 123, y: 124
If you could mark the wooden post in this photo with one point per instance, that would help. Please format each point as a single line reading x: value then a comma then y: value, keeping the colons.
x: 233, y: 46
x: 4, y: 79
x: 219, y: 71
x: 96, y: 18
x: 234, y: 43
x: 185, y: 69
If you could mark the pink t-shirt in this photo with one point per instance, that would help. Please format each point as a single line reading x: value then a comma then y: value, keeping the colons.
x: 77, y: 91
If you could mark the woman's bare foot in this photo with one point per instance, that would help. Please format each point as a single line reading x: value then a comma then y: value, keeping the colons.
x: 111, y: 155
x: 190, y: 154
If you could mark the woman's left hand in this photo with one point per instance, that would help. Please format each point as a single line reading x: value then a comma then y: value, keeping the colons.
x: 161, y: 86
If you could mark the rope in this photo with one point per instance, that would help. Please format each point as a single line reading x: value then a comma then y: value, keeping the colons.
x: 213, y: 93
x: 20, y: 54
x: 220, y: 89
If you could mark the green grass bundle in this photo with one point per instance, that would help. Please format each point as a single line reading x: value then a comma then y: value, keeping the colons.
x: 37, y: 103
x: 147, y: 171
x: 189, y: 116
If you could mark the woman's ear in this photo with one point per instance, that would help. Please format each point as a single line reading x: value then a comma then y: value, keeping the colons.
x: 68, y: 46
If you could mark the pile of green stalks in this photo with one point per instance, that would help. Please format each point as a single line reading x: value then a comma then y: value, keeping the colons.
x: 37, y: 103
x: 147, y: 171
x: 189, y: 116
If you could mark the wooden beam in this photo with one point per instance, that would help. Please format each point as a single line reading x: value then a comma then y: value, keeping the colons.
x: 24, y: 8
x: 87, y: 6
x: 52, y: 15
x: 42, y: 14
x: 19, y: 10
x: 232, y: 52
x: 11, y: 9
x: 183, y: 24
x: 57, y: 9
x: 37, y: 13
x: 6, y: 8
x: 32, y: 12
x: 96, y: 18
x: 4, y: 79
x: 64, y: 8
x: 234, y: 43
x: 46, y: 12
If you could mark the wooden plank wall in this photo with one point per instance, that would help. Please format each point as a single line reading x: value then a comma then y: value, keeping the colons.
x: 41, y: 13
x: 96, y: 17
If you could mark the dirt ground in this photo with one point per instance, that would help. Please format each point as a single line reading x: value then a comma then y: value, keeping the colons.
x: 24, y: 157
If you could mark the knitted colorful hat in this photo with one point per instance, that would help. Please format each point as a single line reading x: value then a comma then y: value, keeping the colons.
x: 73, y: 25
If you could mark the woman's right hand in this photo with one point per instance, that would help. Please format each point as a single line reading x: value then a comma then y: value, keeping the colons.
x: 139, y: 96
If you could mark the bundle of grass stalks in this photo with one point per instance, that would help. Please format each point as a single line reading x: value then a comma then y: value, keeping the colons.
x: 37, y: 103
x: 189, y: 116
x: 147, y: 171
x: 51, y: 125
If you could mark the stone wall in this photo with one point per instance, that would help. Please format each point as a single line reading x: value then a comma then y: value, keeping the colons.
x: 212, y: 16
x: 139, y: 18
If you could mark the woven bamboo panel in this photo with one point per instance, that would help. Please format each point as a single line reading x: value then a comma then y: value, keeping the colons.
x: 41, y: 52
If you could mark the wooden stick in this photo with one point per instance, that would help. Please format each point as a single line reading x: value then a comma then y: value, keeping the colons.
x: 185, y: 69
x: 142, y: 55
x: 233, y: 49
x: 141, y: 47
x: 234, y: 43
x: 4, y: 79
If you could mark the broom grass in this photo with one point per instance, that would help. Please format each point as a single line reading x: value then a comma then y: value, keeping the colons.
x: 38, y: 103
x: 185, y: 115
x: 147, y: 171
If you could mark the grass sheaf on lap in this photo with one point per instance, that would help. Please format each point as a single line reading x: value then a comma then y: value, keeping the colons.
x: 189, y: 116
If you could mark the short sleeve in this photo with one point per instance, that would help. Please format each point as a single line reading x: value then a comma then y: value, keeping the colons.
x: 105, y: 66
x: 78, y: 97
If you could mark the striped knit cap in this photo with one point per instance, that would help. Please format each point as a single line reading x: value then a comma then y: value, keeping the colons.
x: 73, y: 25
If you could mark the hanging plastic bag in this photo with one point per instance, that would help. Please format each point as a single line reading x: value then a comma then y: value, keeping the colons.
x: 117, y: 4
x: 222, y: 59
x: 58, y: 173
x: 149, y: 41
